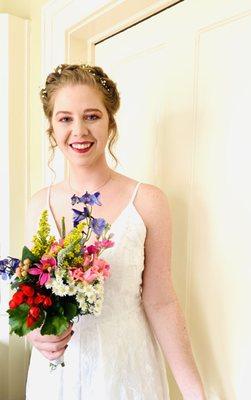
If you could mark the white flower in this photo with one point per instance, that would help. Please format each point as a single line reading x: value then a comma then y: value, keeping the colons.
x: 72, y: 290
x: 83, y: 306
x: 81, y: 287
x: 49, y: 284
x: 91, y: 297
x: 59, y: 288
x: 99, y: 289
x: 98, y: 307
x: 80, y: 297
x: 91, y: 309
x: 59, y: 272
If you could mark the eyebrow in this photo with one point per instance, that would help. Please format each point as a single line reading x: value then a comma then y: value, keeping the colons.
x: 87, y: 109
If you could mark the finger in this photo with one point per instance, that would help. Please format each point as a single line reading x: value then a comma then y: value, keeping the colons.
x: 53, y: 346
x: 53, y: 355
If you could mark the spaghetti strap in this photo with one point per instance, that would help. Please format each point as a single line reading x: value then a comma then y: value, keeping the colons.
x: 134, y: 193
x: 48, y: 196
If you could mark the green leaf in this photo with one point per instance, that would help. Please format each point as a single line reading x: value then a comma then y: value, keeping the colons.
x: 70, y: 310
x: 28, y: 254
x: 17, y: 320
x: 63, y: 227
x: 54, y: 325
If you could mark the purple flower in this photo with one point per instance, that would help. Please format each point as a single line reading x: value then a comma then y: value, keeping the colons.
x: 75, y: 200
x: 87, y: 198
x: 79, y: 215
x: 8, y: 267
x: 98, y: 225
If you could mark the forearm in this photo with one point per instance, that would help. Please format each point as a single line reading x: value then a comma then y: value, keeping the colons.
x: 169, y: 326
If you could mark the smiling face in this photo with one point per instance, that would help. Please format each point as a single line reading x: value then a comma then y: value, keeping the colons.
x: 80, y: 124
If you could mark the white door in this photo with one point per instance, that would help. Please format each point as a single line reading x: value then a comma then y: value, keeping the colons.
x: 184, y: 79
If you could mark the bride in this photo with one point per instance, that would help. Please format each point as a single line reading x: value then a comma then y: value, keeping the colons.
x: 121, y: 354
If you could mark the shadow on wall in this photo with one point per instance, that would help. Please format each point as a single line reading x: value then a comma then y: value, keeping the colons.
x: 4, y: 356
x: 14, y: 362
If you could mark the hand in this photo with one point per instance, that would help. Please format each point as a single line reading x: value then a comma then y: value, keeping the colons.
x: 51, y: 346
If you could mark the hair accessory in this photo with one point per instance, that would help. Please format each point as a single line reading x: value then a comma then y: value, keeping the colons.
x: 58, y: 70
x: 43, y: 93
x: 102, y: 80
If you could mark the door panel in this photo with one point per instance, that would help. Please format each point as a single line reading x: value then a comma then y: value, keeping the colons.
x: 184, y: 125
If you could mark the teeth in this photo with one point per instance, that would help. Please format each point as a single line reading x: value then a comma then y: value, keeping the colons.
x: 81, y: 146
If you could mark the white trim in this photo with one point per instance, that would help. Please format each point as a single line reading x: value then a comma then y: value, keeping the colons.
x: 4, y: 148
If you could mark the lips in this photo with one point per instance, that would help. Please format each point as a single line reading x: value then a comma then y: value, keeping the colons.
x: 77, y: 148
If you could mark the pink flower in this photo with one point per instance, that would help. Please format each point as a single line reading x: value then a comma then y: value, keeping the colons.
x: 77, y: 274
x: 92, y: 249
x: 103, y: 266
x: 105, y: 243
x: 43, y: 268
x: 87, y: 260
x: 91, y: 274
x: 56, y: 246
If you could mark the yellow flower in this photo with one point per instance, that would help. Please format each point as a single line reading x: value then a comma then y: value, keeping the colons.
x: 42, y: 240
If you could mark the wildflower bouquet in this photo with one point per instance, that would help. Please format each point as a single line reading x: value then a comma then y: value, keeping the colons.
x: 56, y: 281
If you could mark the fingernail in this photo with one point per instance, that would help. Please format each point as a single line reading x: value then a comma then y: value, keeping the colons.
x: 72, y: 333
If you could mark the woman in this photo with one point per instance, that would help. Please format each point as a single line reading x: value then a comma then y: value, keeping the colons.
x: 117, y: 355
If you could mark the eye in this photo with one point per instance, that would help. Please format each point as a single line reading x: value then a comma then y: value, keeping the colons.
x: 64, y: 119
x: 92, y: 117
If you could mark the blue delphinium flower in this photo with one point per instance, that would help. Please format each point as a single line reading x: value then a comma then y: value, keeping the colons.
x: 87, y: 198
x: 79, y: 215
x: 75, y: 200
x: 8, y: 267
x: 98, y: 225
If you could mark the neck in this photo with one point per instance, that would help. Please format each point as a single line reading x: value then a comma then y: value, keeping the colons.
x: 88, y: 178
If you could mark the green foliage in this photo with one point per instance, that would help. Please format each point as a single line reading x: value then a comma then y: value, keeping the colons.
x: 54, y: 325
x: 17, y: 320
x: 28, y: 254
x: 70, y: 310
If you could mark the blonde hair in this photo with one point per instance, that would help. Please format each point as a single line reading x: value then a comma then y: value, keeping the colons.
x: 75, y: 74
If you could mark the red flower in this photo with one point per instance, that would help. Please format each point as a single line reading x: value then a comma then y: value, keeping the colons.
x: 18, y: 297
x: 30, y: 301
x: 30, y: 321
x: 34, y: 312
x: 47, y: 302
x: 39, y: 298
x: 12, y: 304
x: 28, y: 290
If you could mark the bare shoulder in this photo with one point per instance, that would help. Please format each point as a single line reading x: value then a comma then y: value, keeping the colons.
x: 153, y: 204
x: 36, y: 204
x: 38, y: 200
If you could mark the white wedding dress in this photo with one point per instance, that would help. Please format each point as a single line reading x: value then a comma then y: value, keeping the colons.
x: 114, y: 356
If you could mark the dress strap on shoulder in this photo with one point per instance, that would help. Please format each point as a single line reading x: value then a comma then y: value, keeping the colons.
x: 48, y: 196
x: 135, y: 192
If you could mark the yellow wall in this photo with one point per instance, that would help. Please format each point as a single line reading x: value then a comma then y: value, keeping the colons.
x: 32, y: 11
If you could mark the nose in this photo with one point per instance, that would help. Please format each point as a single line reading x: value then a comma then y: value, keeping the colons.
x: 79, y: 128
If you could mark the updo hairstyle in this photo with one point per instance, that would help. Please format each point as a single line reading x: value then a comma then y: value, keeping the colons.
x: 83, y: 74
